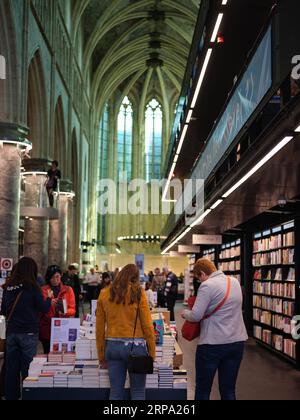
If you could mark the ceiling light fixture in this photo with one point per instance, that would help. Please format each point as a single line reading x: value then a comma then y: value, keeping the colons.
x: 201, y: 77
x: 189, y: 116
x: 217, y: 203
x: 259, y: 165
x: 217, y: 27
x: 201, y: 218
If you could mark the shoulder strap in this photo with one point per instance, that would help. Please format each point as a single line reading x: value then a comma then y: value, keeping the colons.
x: 14, y: 307
x: 220, y: 306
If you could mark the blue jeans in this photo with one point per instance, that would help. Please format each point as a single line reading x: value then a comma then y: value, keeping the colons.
x: 226, y: 359
x: 116, y: 355
x: 20, y: 351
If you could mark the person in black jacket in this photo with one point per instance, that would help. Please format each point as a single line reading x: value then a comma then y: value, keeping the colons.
x: 71, y: 279
x: 23, y: 326
x: 171, y: 292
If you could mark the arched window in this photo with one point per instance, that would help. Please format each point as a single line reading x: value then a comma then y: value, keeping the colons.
x: 125, y: 127
x: 102, y: 167
x: 103, y: 141
x: 153, y: 146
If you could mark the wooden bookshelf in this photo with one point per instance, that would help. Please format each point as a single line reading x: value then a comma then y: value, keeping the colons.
x: 230, y: 259
x: 275, y: 290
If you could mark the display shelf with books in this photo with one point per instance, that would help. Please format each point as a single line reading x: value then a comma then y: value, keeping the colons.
x: 210, y: 254
x: 189, y: 286
x: 230, y: 259
x: 275, y: 290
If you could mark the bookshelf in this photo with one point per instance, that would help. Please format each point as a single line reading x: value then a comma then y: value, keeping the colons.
x: 210, y: 254
x: 189, y: 287
x: 275, y: 289
x: 230, y: 259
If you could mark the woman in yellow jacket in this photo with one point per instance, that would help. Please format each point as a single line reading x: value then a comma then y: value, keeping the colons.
x: 116, y: 314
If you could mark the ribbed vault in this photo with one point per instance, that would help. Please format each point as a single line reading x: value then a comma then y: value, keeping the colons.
x: 123, y: 39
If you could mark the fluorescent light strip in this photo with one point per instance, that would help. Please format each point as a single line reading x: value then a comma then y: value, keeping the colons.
x: 297, y: 129
x: 217, y: 203
x: 177, y: 240
x: 224, y: 2
x: 217, y: 27
x: 199, y: 84
x: 182, y: 138
x: 259, y: 165
x: 189, y: 117
x: 201, y: 77
x: 201, y: 218
x: 164, y: 196
x: 176, y: 158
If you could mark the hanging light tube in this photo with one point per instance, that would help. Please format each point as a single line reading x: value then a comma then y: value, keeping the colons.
x: 259, y: 165
x: 217, y: 27
x: 201, y: 77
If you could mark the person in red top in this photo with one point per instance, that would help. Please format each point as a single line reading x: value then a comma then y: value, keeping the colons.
x: 63, y: 304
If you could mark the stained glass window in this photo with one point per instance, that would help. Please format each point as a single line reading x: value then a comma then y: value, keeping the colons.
x: 153, y: 146
x: 125, y: 137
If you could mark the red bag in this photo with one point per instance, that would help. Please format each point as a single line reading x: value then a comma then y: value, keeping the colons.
x: 192, y: 330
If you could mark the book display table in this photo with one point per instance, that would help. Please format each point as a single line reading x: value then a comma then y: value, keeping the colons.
x: 82, y: 394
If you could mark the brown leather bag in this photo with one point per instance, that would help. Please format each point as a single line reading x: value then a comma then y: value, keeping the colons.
x: 3, y: 342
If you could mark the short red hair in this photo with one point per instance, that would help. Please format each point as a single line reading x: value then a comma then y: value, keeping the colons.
x: 206, y: 266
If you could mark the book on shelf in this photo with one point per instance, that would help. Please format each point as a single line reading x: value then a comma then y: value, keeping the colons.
x: 289, y: 239
x: 267, y: 244
x: 233, y: 252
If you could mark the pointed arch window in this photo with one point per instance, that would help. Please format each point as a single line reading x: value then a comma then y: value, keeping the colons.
x: 103, y: 142
x: 125, y: 138
x: 102, y: 166
x: 153, y: 145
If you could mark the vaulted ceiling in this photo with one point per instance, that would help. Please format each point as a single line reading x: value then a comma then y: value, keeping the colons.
x: 139, y: 45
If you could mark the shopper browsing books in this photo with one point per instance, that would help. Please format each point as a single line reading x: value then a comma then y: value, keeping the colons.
x: 158, y: 285
x: 150, y: 295
x: 93, y: 282
x: 171, y: 292
x: 70, y: 278
x: 63, y: 304
x: 116, y: 316
x: 223, y: 333
x: 106, y: 281
x: 21, y: 304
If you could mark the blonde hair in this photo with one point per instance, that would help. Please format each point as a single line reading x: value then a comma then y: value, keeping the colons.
x: 206, y: 266
x: 127, y: 279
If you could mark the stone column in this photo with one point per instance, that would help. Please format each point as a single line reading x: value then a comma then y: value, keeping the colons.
x: 36, y: 242
x: 58, y: 229
x: 36, y: 229
x: 12, y: 143
x: 10, y: 167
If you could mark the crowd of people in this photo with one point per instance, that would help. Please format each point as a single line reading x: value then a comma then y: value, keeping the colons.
x: 124, y: 325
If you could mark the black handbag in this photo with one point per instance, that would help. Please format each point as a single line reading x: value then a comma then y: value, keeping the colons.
x: 142, y: 365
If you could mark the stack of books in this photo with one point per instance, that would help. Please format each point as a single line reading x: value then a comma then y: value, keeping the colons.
x: 83, y: 349
x: 55, y: 357
x: 31, y: 382
x: 75, y: 379
x: 36, y: 366
x: 104, y: 379
x: 61, y: 380
x: 168, y: 349
x: 90, y: 375
x: 69, y: 358
x: 46, y: 380
x: 159, y: 354
x: 152, y: 380
x: 165, y: 373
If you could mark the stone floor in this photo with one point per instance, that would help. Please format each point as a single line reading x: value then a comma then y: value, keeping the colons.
x: 263, y: 376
